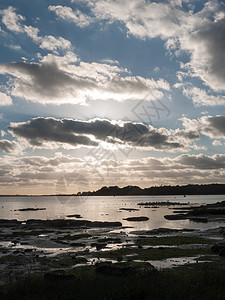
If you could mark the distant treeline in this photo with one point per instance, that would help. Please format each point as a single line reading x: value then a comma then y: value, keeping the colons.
x: 190, y: 189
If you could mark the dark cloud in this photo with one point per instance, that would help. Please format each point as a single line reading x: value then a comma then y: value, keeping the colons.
x: 212, y: 126
x: 45, y: 79
x: 217, y: 124
x: 189, y: 135
x: 202, y: 161
x: 210, y: 40
x: 8, y: 146
x: 74, y: 132
x: 40, y: 130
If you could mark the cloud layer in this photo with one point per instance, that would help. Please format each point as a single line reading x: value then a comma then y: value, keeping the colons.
x: 199, y: 32
x: 65, y: 79
x: 42, y: 132
x: 36, y: 173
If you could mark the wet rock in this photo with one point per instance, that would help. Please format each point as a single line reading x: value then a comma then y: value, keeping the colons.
x: 99, y: 246
x: 74, y: 216
x: 124, y: 269
x: 29, y: 209
x: 176, y: 217
x: 52, y: 276
x: 28, y: 250
x: 200, y: 220
x: 137, y: 219
x: 61, y: 223
x: 130, y: 209
x: 77, y: 244
x: 222, y: 252
x: 217, y: 248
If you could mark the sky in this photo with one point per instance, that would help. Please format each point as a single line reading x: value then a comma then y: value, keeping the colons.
x: 111, y: 92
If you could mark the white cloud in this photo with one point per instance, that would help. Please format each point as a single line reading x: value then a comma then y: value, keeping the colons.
x: 13, y: 22
x: 11, y: 19
x: 14, y: 47
x: 217, y: 143
x: 201, y: 97
x: 198, y: 32
x: 65, y: 79
x: 66, y: 13
x: 5, y: 99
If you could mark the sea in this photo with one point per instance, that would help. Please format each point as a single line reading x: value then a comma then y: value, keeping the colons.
x: 107, y: 208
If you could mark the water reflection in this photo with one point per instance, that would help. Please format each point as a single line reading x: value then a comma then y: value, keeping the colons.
x: 105, y: 209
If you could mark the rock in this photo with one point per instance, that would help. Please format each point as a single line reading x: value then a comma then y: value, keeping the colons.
x: 29, y: 209
x: 74, y: 216
x: 124, y: 269
x: 119, y: 258
x: 176, y: 217
x: 130, y: 209
x: 200, y: 219
x: 222, y: 252
x: 98, y: 246
x: 218, y: 247
x: 137, y: 219
x: 52, y: 276
x: 28, y: 250
x: 77, y: 244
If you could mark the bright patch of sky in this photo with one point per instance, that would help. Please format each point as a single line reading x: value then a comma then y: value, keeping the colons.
x: 110, y: 89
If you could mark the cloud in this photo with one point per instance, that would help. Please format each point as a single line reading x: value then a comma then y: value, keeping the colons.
x: 66, y: 13
x: 34, y: 173
x: 211, y: 126
x: 200, y: 161
x: 5, y: 100
x: 65, y: 79
x: 13, y: 22
x: 199, y: 32
x: 206, y: 46
x: 217, y: 143
x: 44, y: 132
x: 141, y: 18
x: 9, y: 146
x: 200, y: 97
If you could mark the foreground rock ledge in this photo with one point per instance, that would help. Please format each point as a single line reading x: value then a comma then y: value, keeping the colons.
x: 59, y: 223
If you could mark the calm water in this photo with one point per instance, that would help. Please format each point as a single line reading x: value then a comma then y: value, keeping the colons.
x: 105, y: 209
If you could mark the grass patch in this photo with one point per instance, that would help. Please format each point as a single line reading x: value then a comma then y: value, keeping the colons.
x: 200, y: 282
x: 151, y: 253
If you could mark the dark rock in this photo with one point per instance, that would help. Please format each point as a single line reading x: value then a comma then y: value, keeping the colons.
x: 137, y: 219
x: 176, y: 217
x: 52, y: 276
x: 218, y: 247
x: 29, y: 209
x: 119, y: 258
x: 99, y: 246
x: 200, y: 220
x: 130, y: 209
x: 124, y: 269
x: 74, y: 216
x: 28, y: 250
x: 61, y: 223
x: 222, y: 252
x: 77, y: 244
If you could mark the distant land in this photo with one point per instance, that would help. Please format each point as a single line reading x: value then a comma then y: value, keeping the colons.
x: 190, y: 189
